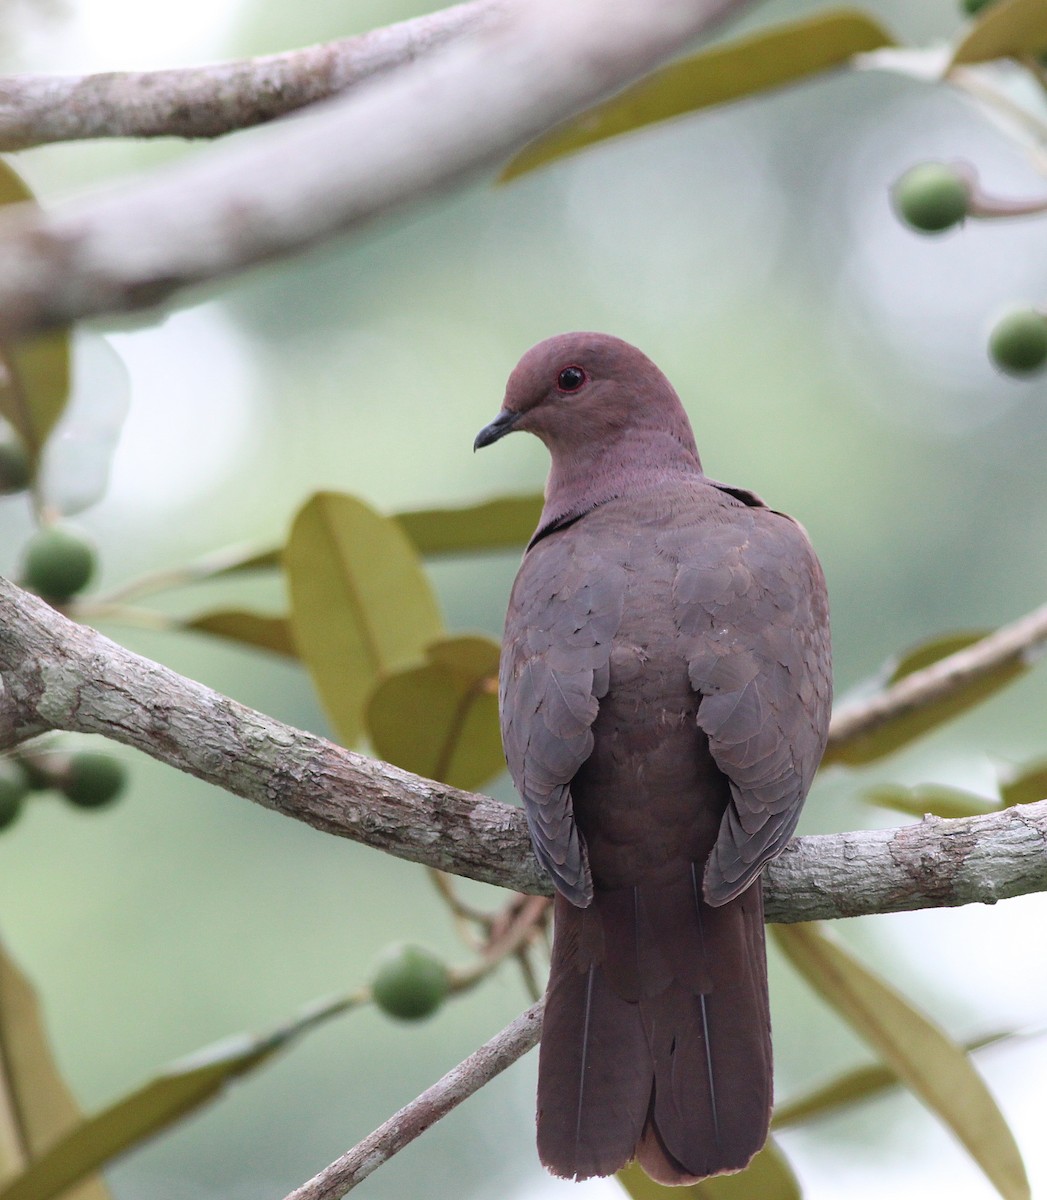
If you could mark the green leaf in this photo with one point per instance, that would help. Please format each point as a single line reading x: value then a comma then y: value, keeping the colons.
x: 252, y: 629
x: 924, y: 1058
x: 494, y: 525
x: 930, y: 651
x: 440, y: 719
x: 749, y: 65
x: 768, y: 1177
x: 172, y: 1095
x: 34, y: 372
x: 934, y: 798
x: 361, y: 607
x: 864, y: 1083
x: 36, y: 1106
x: 1003, y: 29
x: 1025, y: 786
x: 906, y: 725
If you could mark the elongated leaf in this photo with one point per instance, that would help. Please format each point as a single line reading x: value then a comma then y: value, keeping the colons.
x: 1024, y: 786
x: 752, y: 64
x: 926, y: 1060
x: 178, y: 1091
x: 930, y: 651
x: 36, y: 1106
x: 361, y: 607
x: 494, y: 525
x: 767, y: 1177
x: 864, y: 1083
x: 252, y: 629
x: 440, y: 719
x: 34, y: 380
x: 906, y: 725
x: 1004, y: 28
x: 933, y: 798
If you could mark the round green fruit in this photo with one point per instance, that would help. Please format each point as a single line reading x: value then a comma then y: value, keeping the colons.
x: 57, y: 564
x: 932, y: 197
x: 15, y: 472
x: 92, y: 780
x: 970, y: 7
x: 13, y: 788
x: 410, y: 982
x: 1018, y: 342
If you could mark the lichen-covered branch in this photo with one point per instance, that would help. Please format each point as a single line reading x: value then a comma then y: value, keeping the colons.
x: 425, y: 1110
x: 407, y: 134
x: 206, y: 101
x: 60, y: 675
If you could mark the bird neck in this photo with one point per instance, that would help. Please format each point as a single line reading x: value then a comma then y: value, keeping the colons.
x: 584, y: 476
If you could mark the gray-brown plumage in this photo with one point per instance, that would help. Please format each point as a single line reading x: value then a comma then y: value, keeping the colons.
x: 665, y: 696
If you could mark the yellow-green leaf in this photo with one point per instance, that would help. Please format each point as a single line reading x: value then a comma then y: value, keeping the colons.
x: 933, y: 798
x: 925, y: 1059
x: 440, y: 719
x: 251, y: 628
x: 361, y: 606
x: 495, y: 525
x: 762, y: 60
x: 767, y: 1177
x: 1025, y: 786
x: 906, y: 725
x: 181, y: 1089
x: 863, y: 1083
x: 930, y: 651
x: 34, y: 372
x: 36, y: 1106
x: 1002, y: 29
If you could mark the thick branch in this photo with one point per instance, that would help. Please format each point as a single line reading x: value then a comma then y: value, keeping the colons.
x: 60, y: 675
x: 203, y: 102
x: 414, y: 132
x: 415, y: 1118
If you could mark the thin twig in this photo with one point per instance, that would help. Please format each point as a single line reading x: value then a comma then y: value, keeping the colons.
x: 1019, y: 642
x: 415, y: 1118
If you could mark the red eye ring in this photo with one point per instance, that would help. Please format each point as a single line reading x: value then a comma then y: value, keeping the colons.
x: 571, y: 378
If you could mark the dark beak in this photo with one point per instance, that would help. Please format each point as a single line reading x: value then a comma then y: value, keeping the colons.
x: 498, y: 428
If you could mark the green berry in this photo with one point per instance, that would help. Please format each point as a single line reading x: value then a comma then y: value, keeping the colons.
x: 15, y: 472
x: 1018, y: 342
x: 931, y: 197
x: 57, y: 564
x: 410, y: 982
x: 13, y: 789
x: 970, y: 7
x: 92, y: 780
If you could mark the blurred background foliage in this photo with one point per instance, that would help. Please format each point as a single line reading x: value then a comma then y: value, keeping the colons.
x: 829, y: 358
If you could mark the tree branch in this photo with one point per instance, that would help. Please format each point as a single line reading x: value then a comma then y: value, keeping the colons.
x: 414, y: 132
x: 415, y: 1118
x: 60, y: 675
x: 203, y: 102
x: 1018, y: 643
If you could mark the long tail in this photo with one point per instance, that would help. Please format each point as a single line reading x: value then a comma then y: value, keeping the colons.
x: 656, y: 1041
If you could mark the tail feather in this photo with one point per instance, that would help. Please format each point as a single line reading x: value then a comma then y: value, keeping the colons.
x: 593, y: 1059
x: 657, y: 1038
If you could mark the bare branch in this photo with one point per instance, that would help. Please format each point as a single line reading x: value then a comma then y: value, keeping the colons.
x: 414, y: 132
x: 415, y: 1118
x: 60, y: 675
x: 203, y: 102
x: 1017, y: 643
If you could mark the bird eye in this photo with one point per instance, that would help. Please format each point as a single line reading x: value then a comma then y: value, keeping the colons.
x: 570, y: 379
